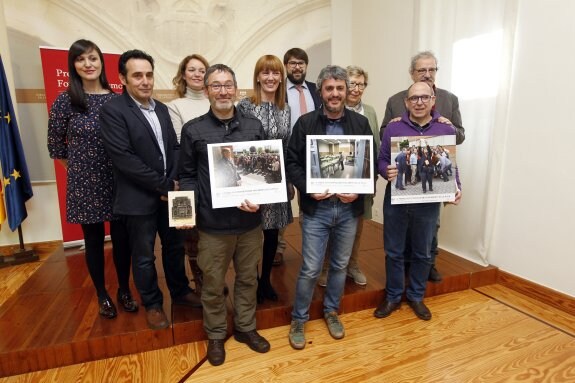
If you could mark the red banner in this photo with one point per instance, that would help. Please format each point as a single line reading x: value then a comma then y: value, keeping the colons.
x: 55, y: 69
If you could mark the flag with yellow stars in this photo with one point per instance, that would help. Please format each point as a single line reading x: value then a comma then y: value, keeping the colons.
x: 15, y: 177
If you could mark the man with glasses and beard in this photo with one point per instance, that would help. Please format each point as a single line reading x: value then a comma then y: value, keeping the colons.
x: 325, y: 214
x: 226, y: 234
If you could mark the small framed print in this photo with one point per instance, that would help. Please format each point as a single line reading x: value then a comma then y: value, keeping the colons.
x: 181, y: 208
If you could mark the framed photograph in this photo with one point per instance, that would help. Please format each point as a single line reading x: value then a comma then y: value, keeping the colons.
x: 339, y: 164
x: 252, y: 170
x: 426, y: 169
x: 181, y: 208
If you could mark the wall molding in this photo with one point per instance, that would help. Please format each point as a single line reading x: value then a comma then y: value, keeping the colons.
x: 538, y: 292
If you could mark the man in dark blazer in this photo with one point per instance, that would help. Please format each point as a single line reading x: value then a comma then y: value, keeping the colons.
x: 141, y: 141
x: 298, y: 92
x: 424, y: 68
x: 295, y: 62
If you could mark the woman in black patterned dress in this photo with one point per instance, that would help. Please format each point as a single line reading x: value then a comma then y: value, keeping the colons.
x: 269, y: 105
x: 74, y: 140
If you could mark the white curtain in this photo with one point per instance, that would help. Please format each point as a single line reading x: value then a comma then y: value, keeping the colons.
x: 474, y: 42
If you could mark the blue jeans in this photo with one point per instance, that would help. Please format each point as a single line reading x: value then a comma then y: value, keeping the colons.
x: 421, y: 220
x: 335, y: 219
x: 142, y: 231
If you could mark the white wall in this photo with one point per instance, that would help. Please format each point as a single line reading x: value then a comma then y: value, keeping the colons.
x: 534, y: 227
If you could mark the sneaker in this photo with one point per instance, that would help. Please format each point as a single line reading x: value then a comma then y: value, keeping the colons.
x: 334, y: 325
x: 322, y: 280
x: 358, y: 277
x: 296, y: 335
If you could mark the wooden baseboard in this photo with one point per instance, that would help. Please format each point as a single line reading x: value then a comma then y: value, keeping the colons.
x: 543, y: 294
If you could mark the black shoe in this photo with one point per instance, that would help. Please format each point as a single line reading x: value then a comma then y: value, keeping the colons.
x: 434, y: 275
x: 420, y: 310
x: 216, y: 352
x: 126, y: 302
x: 107, y: 308
x: 266, y: 292
x: 385, y: 308
x: 190, y: 299
x: 254, y: 340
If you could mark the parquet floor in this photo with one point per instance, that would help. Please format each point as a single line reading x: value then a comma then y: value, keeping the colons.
x: 473, y: 337
x: 50, y: 319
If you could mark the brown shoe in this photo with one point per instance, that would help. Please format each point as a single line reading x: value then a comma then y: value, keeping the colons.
x: 254, y: 340
x: 157, y: 319
x: 216, y: 352
x: 190, y: 299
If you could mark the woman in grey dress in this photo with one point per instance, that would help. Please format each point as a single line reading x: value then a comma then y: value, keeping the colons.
x: 269, y: 105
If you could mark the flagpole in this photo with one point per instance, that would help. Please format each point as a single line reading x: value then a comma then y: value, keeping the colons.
x: 18, y: 256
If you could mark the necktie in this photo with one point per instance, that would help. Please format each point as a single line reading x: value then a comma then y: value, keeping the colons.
x: 302, y: 103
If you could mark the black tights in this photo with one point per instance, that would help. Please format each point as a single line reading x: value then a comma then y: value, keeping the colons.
x: 269, y: 250
x: 94, y: 243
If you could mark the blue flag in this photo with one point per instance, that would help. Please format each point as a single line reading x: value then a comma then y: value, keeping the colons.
x: 15, y: 176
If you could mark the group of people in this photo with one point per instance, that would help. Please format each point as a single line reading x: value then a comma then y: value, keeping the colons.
x: 124, y: 153
x: 419, y: 164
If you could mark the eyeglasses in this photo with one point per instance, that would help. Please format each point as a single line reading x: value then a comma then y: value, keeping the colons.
x: 425, y: 70
x: 218, y: 87
x: 360, y: 85
x: 424, y: 99
x: 294, y: 64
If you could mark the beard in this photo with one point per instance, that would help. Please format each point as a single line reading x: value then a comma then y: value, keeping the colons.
x: 297, y: 81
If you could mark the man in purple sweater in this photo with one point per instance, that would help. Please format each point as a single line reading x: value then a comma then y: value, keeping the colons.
x: 420, y: 218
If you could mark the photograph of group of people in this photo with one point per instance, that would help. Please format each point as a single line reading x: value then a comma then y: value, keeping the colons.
x: 424, y: 166
x: 253, y: 168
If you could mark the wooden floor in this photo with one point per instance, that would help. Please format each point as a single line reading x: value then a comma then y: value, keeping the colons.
x: 51, y: 320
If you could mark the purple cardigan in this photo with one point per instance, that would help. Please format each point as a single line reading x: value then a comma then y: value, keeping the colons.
x: 406, y: 128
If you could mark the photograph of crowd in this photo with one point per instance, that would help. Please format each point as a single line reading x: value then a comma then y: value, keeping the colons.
x: 243, y: 164
x: 425, y: 165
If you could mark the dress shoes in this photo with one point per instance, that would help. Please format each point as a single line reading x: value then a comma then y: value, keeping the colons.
x: 190, y: 299
x: 420, y: 310
x: 385, y: 308
x: 266, y: 292
x: 127, y: 302
x: 107, y: 308
x: 156, y: 318
x: 216, y: 351
x: 254, y: 340
x: 434, y: 275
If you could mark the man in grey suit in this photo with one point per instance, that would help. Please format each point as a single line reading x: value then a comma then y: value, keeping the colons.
x: 424, y: 68
x: 138, y: 134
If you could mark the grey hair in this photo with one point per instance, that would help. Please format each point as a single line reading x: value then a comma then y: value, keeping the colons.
x: 421, y: 55
x: 332, y: 72
x: 354, y: 70
x: 219, y: 68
